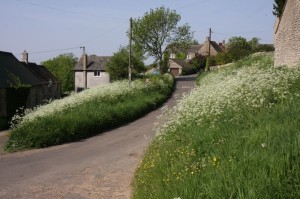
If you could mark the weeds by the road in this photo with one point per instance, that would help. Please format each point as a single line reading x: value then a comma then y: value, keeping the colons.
x: 87, y: 113
x: 235, y: 136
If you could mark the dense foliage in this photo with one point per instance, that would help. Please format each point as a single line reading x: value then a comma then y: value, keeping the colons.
x: 158, y: 29
x: 117, y: 66
x: 278, y: 7
x: 87, y: 113
x: 235, y: 136
x: 62, y: 68
x: 236, y: 49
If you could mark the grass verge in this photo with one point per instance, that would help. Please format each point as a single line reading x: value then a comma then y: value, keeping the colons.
x: 87, y: 113
x: 235, y: 136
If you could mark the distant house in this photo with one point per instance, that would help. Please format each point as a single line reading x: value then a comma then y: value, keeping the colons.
x: 208, y: 48
x: 180, y: 67
x: 90, y: 71
x: 24, y: 84
x: 287, y: 35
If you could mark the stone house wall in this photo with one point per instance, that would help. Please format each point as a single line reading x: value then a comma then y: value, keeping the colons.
x: 92, y: 80
x: 287, y: 36
x: 97, y: 80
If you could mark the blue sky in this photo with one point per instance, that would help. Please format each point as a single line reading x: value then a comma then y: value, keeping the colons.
x: 47, y: 28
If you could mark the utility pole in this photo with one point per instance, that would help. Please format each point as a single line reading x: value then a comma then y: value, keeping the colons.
x: 130, y: 36
x: 209, y: 39
x: 84, y: 67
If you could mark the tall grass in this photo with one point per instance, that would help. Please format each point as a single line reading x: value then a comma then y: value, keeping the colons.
x: 87, y: 113
x: 235, y: 136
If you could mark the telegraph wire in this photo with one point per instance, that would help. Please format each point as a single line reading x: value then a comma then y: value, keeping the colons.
x: 192, y: 4
x: 67, y: 11
x: 53, y: 50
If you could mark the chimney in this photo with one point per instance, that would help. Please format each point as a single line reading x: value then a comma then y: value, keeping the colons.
x: 84, y: 66
x: 25, y: 57
x: 223, y: 43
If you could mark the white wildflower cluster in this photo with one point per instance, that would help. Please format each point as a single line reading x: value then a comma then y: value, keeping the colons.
x: 105, y: 92
x: 251, y: 86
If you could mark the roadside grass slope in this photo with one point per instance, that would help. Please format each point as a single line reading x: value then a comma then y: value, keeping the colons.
x: 237, y: 135
x: 87, y: 113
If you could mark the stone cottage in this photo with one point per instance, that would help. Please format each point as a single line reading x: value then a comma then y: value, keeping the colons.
x: 24, y: 84
x: 208, y: 48
x: 90, y: 71
x: 287, y: 35
x: 180, y: 67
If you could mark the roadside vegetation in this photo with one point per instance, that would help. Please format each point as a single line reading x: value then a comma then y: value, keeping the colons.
x: 235, y: 136
x: 87, y: 113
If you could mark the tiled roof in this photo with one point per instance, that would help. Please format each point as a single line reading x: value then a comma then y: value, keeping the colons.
x: 182, y: 63
x: 40, y: 72
x: 217, y: 47
x: 194, y: 48
x: 11, y: 66
x: 93, y: 63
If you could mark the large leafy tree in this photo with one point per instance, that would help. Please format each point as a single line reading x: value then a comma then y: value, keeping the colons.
x: 278, y: 7
x: 238, y: 47
x: 117, y: 66
x: 157, y: 29
x: 238, y: 43
x: 62, y: 68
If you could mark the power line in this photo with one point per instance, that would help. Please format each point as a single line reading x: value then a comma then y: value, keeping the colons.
x: 192, y: 4
x: 67, y: 11
x: 100, y: 35
x: 54, y: 50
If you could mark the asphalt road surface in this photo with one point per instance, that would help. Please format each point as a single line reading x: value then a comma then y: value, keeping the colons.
x: 98, y: 167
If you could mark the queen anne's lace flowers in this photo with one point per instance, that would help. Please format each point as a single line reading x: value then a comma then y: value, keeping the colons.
x: 253, y: 86
x: 105, y: 92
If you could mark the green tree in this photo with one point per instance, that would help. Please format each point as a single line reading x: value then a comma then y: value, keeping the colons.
x: 278, y: 7
x: 238, y: 43
x: 117, y: 66
x: 62, y: 68
x: 237, y: 48
x: 254, y: 43
x: 158, y: 29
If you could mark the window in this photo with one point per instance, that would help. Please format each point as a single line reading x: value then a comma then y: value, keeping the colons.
x: 188, y: 56
x: 172, y: 56
x: 96, y: 73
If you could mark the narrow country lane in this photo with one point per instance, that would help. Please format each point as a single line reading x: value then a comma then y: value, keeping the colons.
x: 98, y: 167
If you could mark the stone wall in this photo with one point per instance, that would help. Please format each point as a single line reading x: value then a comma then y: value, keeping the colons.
x: 97, y: 80
x: 92, y: 80
x: 287, y: 36
x: 78, y: 80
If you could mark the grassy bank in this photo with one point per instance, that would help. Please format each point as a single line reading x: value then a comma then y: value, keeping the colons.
x: 235, y: 136
x: 87, y: 113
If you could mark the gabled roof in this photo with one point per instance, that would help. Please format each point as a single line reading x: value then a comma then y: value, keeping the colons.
x: 182, y: 63
x: 93, y: 63
x: 194, y: 48
x: 41, y: 73
x: 11, y: 66
x: 217, y: 47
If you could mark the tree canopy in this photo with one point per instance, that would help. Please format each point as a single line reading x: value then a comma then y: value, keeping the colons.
x: 278, y: 7
x: 157, y: 29
x: 62, y: 68
x: 117, y: 66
